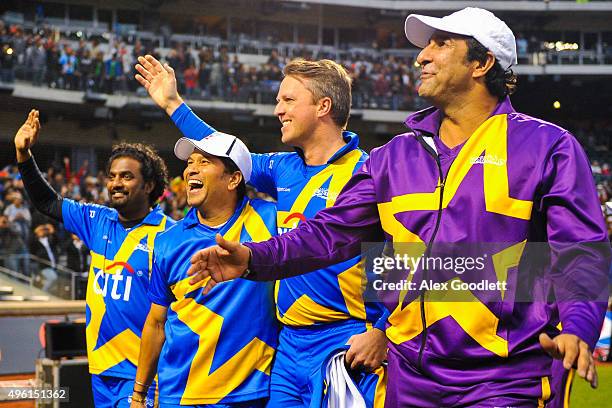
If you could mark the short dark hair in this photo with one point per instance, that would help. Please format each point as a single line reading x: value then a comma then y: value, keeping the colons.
x: 230, y: 168
x: 152, y: 167
x: 499, y: 82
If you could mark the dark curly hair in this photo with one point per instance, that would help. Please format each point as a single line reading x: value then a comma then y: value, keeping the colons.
x: 499, y: 82
x: 152, y: 167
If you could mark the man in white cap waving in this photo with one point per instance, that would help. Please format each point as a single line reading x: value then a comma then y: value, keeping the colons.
x: 471, y: 170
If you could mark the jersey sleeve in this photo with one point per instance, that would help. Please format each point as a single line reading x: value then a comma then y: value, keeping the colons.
x: 580, y: 251
x: 83, y: 220
x: 159, y: 291
x: 190, y: 124
x: 263, y: 173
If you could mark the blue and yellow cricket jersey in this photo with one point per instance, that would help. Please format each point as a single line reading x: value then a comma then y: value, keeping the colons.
x: 219, y: 347
x: 117, y: 301
x: 327, y: 295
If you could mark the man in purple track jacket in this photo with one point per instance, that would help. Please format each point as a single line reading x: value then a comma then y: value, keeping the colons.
x: 471, y: 170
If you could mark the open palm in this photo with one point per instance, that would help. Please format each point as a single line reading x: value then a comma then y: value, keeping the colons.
x: 27, y: 134
x: 158, y: 80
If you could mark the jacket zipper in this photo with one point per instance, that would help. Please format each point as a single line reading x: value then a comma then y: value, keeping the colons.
x: 429, y: 247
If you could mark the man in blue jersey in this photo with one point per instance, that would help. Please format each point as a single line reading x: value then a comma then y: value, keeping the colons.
x: 121, y: 241
x: 215, y: 349
x: 324, y: 310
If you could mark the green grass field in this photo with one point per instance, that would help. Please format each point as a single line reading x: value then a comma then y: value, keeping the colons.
x: 584, y: 396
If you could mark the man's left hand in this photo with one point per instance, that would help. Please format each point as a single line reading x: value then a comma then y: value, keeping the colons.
x: 574, y: 352
x: 368, y: 350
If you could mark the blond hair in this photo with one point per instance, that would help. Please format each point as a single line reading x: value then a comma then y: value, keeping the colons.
x: 325, y: 78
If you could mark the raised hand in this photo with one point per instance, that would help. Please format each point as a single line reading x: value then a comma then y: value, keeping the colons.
x: 225, y: 261
x: 159, y: 80
x: 27, y: 135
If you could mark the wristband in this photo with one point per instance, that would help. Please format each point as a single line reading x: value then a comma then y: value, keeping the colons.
x: 143, y: 384
x: 247, y: 271
x: 142, y: 401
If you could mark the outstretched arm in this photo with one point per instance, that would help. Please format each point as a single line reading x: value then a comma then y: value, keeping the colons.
x: 334, y: 235
x: 160, y: 82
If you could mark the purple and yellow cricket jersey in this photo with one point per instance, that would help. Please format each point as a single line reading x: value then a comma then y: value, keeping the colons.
x: 117, y: 301
x: 219, y: 347
x: 516, y: 180
x: 331, y: 294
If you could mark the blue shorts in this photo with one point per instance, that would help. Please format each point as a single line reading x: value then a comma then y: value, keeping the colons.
x: 115, y: 392
x: 297, y: 368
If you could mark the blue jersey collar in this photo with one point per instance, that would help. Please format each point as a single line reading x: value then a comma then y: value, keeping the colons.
x: 191, y: 219
x: 352, y: 143
x: 155, y: 216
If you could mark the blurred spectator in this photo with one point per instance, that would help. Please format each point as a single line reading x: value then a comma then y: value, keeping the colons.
x: 91, y: 192
x: 36, y: 61
x: 98, y: 72
x: 596, y: 168
x: 54, y: 68
x: 382, y: 89
x: 19, y: 215
x: 113, y: 75
x: 217, y: 79
x: 12, y: 247
x: 77, y: 255
x: 178, y: 198
x: 85, y: 70
x: 45, y: 247
x: 68, y: 62
x: 191, y: 80
x: 274, y: 59
x: 205, y: 57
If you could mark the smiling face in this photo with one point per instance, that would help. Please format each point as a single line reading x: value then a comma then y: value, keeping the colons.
x: 445, y: 71
x: 129, y: 194
x: 296, y: 110
x: 207, y: 180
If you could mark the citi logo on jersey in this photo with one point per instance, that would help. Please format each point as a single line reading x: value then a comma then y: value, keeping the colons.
x: 298, y: 217
x: 100, y: 289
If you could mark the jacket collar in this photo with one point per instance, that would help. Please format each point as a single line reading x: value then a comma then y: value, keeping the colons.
x: 428, y: 120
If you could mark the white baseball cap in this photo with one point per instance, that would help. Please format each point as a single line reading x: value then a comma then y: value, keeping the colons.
x: 477, y: 23
x: 221, y: 145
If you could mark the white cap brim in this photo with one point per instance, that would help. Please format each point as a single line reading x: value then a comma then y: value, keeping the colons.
x: 419, y: 29
x: 184, y: 147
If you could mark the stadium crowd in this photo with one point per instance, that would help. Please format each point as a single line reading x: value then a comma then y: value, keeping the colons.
x: 48, y: 58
